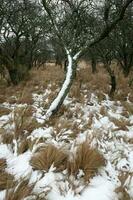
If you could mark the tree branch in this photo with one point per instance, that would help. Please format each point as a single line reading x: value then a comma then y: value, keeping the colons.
x: 108, y: 28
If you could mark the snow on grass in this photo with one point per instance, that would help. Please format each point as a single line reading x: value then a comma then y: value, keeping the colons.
x: 100, y: 189
x: 2, y: 195
x: 42, y: 133
x: 4, y: 119
x: 19, y: 165
x: 117, y: 151
x: 5, y: 151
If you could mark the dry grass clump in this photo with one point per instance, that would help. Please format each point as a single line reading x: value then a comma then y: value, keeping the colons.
x: 128, y: 107
x: 46, y: 156
x: 23, y: 121
x: 3, y: 164
x: 20, y: 191
x: 23, y: 146
x: 103, y: 111
x: 87, y: 159
x: 122, y: 190
x: 6, y: 180
x: 7, y: 138
x: 62, y: 110
x: 75, y: 90
x: 26, y: 98
x: 121, y: 124
x: 4, y: 111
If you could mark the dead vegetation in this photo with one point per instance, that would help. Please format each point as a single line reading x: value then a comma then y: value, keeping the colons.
x: 39, y: 80
x: 123, y: 189
x: 3, y: 164
x: 87, y: 159
x: 23, y: 120
x: 6, y: 180
x: 19, y: 191
x: 122, y: 124
x: 47, y: 156
x: 4, y: 111
x: 128, y: 107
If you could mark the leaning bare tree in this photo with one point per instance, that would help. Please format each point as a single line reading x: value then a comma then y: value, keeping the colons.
x: 70, y: 22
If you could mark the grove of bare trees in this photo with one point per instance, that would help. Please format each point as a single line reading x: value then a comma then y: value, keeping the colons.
x: 32, y: 32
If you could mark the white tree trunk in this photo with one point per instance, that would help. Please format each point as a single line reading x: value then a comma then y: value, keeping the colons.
x: 71, y: 70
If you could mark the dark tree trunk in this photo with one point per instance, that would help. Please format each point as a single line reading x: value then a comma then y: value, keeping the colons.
x: 127, y: 68
x: 14, y: 76
x: 112, y: 79
x: 93, y: 64
x: 113, y: 85
x: 126, y: 72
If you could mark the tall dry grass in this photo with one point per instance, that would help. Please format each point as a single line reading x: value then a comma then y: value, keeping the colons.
x: 19, y: 191
x: 87, y: 159
x: 47, y: 156
x: 6, y: 180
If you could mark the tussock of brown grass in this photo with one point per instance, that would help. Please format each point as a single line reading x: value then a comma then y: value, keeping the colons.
x: 23, y: 146
x: 128, y: 107
x: 3, y: 164
x: 89, y: 122
x: 4, y: 111
x: 2, y: 131
x: 18, y: 120
x: 87, y: 159
x: 26, y: 98
x: 7, y: 138
x: 75, y: 90
x: 20, y: 191
x: 75, y: 130
x: 62, y: 110
x: 46, y: 156
x: 122, y: 190
x: 6, y: 180
x: 23, y: 121
x: 121, y: 124
x: 103, y: 111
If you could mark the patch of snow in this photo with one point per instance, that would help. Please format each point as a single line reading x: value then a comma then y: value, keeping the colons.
x: 100, y: 189
x: 19, y: 165
x: 5, y: 151
x: 41, y: 133
x: 123, y: 165
x: 2, y: 195
x: 4, y: 119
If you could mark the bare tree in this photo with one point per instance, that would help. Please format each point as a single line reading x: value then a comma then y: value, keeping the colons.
x: 75, y: 35
x: 123, y: 42
x: 23, y: 25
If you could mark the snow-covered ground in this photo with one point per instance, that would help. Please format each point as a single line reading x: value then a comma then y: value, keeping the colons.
x: 102, y: 123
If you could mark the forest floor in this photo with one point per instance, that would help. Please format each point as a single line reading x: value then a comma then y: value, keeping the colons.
x: 83, y: 152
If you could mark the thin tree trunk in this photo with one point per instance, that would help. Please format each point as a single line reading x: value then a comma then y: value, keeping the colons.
x: 93, y: 63
x: 113, y: 85
x: 112, y: 80
x: 70, y: 75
